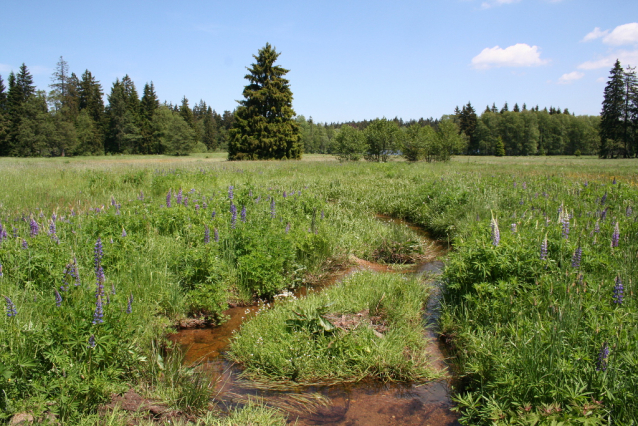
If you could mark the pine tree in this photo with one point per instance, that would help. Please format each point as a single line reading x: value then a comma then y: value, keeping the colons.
x: 516, y: 108
x: 148, y: 105
x: 612, y: 126
x: 467, y: 124
x: 264, y: 128
x: 505, y: 108
x: 4, y: 119
x: 90, y: 97
x: 209, y: 136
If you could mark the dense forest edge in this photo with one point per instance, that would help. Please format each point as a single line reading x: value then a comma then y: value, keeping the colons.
x: 73, y: 119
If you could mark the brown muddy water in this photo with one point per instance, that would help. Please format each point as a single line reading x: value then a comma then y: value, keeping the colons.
x: 363, y: 403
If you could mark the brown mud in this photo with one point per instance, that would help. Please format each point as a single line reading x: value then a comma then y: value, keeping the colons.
x: 363, y: 403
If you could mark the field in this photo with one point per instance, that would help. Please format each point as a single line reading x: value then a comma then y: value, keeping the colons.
x: 102, y: 256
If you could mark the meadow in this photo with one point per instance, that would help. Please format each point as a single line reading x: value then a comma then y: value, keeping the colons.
x: 102, y: 256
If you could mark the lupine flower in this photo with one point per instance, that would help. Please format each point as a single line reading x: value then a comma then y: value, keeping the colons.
x: 586, y: 184
x: 179, y: 197
x: 615, y: 237
x: 576, y: 257
x: 58, y: 298
x: 285, y: 194
x: 243, y: 214
x: 206, y: 235
x: 628, y: 213
x: 544, y: 248
x: 603, y: 214
x: 141, y: 196
x: 212, y: 216
x: 272, y: 208
x: 230, y: 193
x: 25, y: 245
x: 1, y: 270
x: 287, y: 227
x: 233, y: 212
x: 216, y: 235
x: 52, y: 228
x: 11, y: 308
x: 124, y: 234
x: 513, y: 226
x: 496, y: 234
x: 196, y: 207
x: 619, y: 291
x: 129, y: 307
x: 168, y: 198
x: 601, y: 363
x: 564, y: 220
x: 98, y: 315
x: 35, y: 228
x: 524, y: 185
x: 92, y: 341
x: 113, y: 203
x: 602, y: 200
x: 75, y: 273
x: 117, y: 209
x: 185, y: 201
x: 614, y: 182
x: 3, y: 233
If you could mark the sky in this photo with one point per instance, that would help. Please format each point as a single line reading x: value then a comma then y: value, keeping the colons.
x: 348, y: 60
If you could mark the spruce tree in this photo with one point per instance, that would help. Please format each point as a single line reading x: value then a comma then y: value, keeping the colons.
x: 264, y: 128
x: 467, y: 124
x: 148, y: 105
x: 611, y: 117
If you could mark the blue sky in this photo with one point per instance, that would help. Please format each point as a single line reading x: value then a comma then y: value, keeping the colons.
x: 347, y: 60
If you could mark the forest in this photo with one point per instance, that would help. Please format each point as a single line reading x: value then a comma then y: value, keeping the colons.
x: 74, y: 119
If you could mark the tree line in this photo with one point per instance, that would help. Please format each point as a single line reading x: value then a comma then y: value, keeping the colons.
x: 72, y: 119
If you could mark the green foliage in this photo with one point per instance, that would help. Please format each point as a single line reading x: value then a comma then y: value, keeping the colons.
x: 349, y: 144
x: 383, y: 138
x: 264, y: 128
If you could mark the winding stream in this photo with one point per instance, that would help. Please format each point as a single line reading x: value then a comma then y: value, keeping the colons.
x: 363, y: 403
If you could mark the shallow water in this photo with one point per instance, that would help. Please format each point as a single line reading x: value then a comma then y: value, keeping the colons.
x: 363, y: 403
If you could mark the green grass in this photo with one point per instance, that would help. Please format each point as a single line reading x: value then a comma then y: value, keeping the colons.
x: 293, y: 342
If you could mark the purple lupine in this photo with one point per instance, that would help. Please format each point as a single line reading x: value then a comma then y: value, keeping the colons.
x: 615, y: 237
x: 586, y: 184
x: 565, y: 225
x: 25, y: 245
x: 35, y: 228
x: 1, y: 270
x: 97, y: 253
x: 3, y: 233
x: 576, y: 257
x: 628, y: 213
x: 544, y: 248
x: 98, y: 315
x: 619, y: 291
x: 58, y: 298
x: 288, y: 227
x: 614, y: 182
x: 129, y: 306
x: 168, y: 198
x: 11, y: 308
x: 212, y: 216
x: 272, y: 208
x: 196, y: 207
x: 124, y: 234
x: 75, y: 273
x: 230, y: 193
x: 243, y: 214
x: 185, y: 201
x: 141, y: 196
x: 233, y: 212
x: 216, y: 235
x: 206, y: 234
x: 603, y: 214
x: 99, y: 271
x: 285, y: 194
x: 113, y: 203
x: 496, y: 234
x: 179, y: 197
x: 601, y: 363
x: 92, y: 341
x: 513, y: 227
x: 52, y: 227
x: 602, y: 200
x: 117, y: 209
x: 66, y: 277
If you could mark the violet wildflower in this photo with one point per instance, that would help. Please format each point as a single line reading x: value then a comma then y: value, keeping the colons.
x: 615, y: 237
x: 92, y: 341
x: 113, y: 203
x: 75, y: 273
x: 3, y: 233
x: 544, y: 248
x: 206, y: 234
x: 124, y: 234
x: 602, y: 200
x: 285, y: 194
x: 129, y: 306
x: 216, y: 235
x: 233, y: 212
x: 628, y: 213
x: 272, y: 208
x: 576, y: 257
x: 614, y: 182
x: 496, y: 234
x: 601, y: 363
x: 178, y: 199
x: 230, y: 193
x: 243, y: 214
x: 212, y: 216
x: 185, y: 201
x: 35, y: 228
x: 1, y: 270
x: 25, y: 245
x: 98, y: 315
x: 564, y: 220
x: 603, y: 215
x: 586, y: 184
x: 52, y: 228
x: 196, y: 207
x: 619, y: 291
x: 168, y: 198
x: 11, y: 308
x: 97, y: 253
x: 58, y: 298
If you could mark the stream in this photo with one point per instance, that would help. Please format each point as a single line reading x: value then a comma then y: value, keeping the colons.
x: 362, y: 403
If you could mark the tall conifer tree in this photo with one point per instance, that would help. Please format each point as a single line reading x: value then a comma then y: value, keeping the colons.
x: 612, y: 125
x: 264, y: 128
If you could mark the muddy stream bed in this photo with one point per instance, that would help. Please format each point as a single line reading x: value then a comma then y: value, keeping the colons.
x: 362, y: 403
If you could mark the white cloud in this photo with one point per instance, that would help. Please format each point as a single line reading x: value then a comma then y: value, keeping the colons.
x: 623, y: 34
x: 518, y: 55
x: 492, y: 3
x: 601, y: 79
x: 626, y: 57
x: 570, y: 77
x: 597, y: 33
